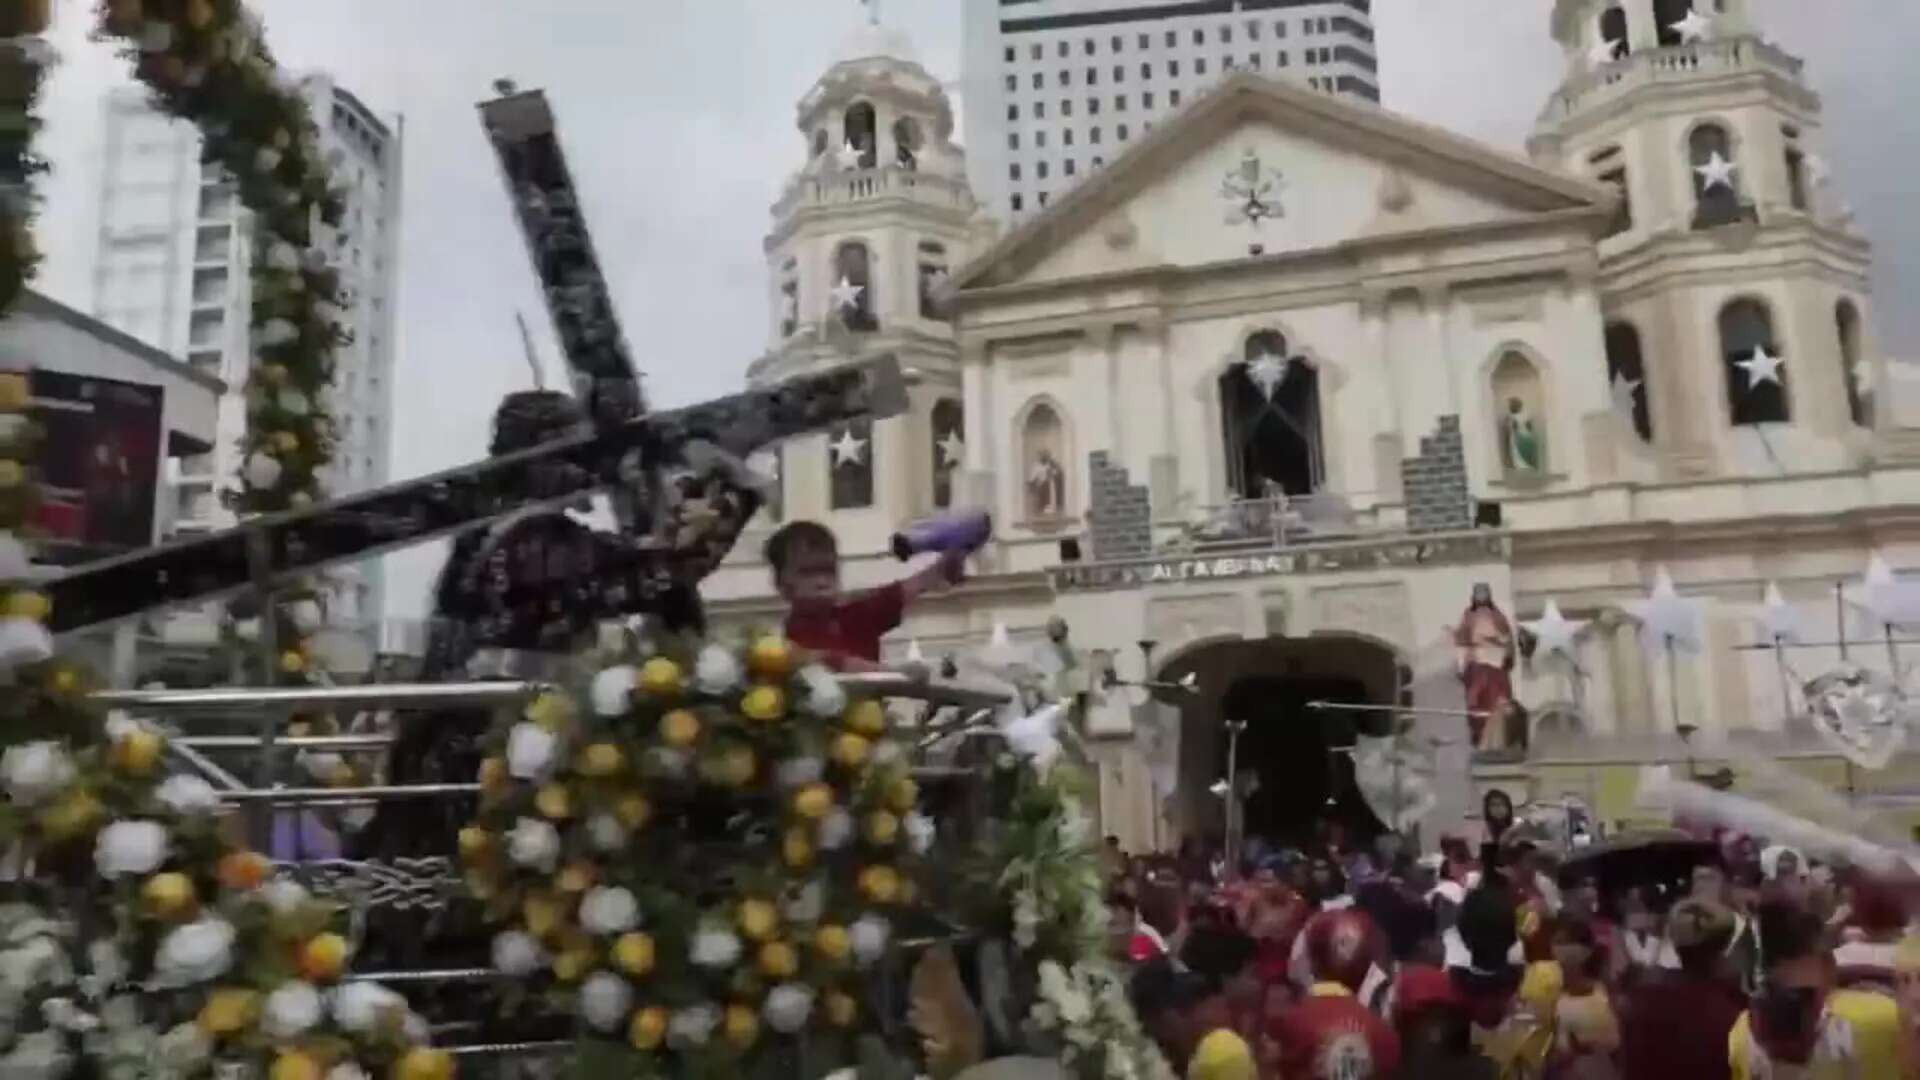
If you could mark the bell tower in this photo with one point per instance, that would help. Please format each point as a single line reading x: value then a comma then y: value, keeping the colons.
x: 864, y: 235
x: 1734, y: 283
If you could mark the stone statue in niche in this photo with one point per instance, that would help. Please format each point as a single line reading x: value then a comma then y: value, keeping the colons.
x: 1522, y: 448
x: 1046, y: 486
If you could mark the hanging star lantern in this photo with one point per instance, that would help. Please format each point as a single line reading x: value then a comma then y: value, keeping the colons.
x: 1604, y: 53
x: 952, y: 450
x: 1717, y: 172
x: 1267, y: 372
x: 1667, y: 617
x: 846, y: 294
x: 1778, y: 618
x: 1553, y: 632
x: 1889, y: 600
x: 848, y: 156
x: 1695, y: 27
x: 847, y: 449
x: 1762, y: 367
x: 1622, y: 391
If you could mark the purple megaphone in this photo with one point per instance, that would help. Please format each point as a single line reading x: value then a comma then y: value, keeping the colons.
x: 955, y: 530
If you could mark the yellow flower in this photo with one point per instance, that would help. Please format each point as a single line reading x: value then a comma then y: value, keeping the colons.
x: 228, y: 1011
x: 294, y: 1065
x: 633, y: 952
x: 660, y: 678
x: 494, y: 777
x: 880, y: 884
x: 286, y: 441
x: 476, y: 844
x: 633, y: 810
x: 551, y: 711
x: 168, y: 896
x: 648, y: 1028
x: 74, y: 815
x: 543, y: 914
x: 483, y: 884
x: 778, y: 960
x: 737, y: 766
x: 578, y: 877
x: 758, y: 919
x: 600, y: 760
x: 324, y: 957
x: 771, y: 658
x: 27, y: 604
x: 679, y: 728
x: 137, y: 752
x: 867, y: 718
x: 423, y: 1063
x: 813, y: 801
x: 852, y: 750
x: 882, y: 828
x: 11, y: 474
x: 832, y: 942
x: 64, y: 681
x: 554, y: 801
x: 742, y: 1027
x: 764, y: 703
x: 572, y: 965
x: 841, y: 1009
x: 15, y: 394
x: 796, y: 848
x: 293, y: 661
x: 902, y: 794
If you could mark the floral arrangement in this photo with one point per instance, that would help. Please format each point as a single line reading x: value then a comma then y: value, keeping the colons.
x: 701, y: 855
x: 175, y: 952
x: 23, y: 60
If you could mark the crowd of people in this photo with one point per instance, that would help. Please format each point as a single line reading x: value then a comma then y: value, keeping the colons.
x: 1504, y: 961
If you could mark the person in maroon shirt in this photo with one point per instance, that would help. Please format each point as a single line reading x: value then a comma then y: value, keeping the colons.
x: 845, y: 630
x: 1676, y: 1026
x: 1330, y: 1035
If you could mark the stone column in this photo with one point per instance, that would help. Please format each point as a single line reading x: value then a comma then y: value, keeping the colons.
x: 1163, y: 465
x: 1642, y: 31
x: 976, y: 399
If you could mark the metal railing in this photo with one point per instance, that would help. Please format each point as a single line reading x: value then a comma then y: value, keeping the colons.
x: 1280, y: 521
x: 1669, y: 64
x: 888, y: 181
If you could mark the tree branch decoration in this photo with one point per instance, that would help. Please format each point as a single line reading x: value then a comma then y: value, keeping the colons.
x: 702, y: 856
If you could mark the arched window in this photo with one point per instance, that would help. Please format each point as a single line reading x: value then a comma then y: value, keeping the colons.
x: 1043, y: 456
x: 850, y: 465
x: 853, y: 287
x: 949, y: 451
x: 1716, y: 178
x: 1270, y: 413
x: 1854, y: 375
x: 1613, y: 27
x: 906, y: 143
x: 1756, y: 375
x: 1667, y: 13
x: 1627, y: 378
x: 1519, y: 403
x: 861, y: 131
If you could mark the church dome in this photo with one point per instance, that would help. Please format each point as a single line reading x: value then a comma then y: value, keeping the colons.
x: 870, y: 41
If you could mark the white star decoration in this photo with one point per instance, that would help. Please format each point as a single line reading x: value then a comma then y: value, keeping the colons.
x: 1763, y: 367
x: 1553, y: 632
x: 1892, y: 602
x: 848, y: 156
x: 847, y: 449
x: 1717, y: 172
x: 1667, y: 617
x: 1604, y: 53
x: 1694, y: 27
x: 1778, y: 618
x: 1623, y: 391
x: 952, y: 450
x: 846, y: 294
x: 1267, y: 372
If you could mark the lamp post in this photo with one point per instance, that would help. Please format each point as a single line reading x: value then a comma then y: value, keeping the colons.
x: 1234, y: 729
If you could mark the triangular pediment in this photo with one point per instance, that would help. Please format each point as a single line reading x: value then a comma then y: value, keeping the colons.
x: 1332, y: 173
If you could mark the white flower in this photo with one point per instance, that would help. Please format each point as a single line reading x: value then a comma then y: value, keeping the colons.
x: 23, y: 641
x: 609, y: 910
x: 295, y: 402
x: 284, y: 895
x: 283, y: 257
x: 37, y: 964
x: 692, y: 1026
x: 835, y: 830
x: 530, y: 750
x: 194, y: 953
x: 107, y: 965
x: 1033, y: 737
x: 888, y: 752
x: 187, y: 795
x: 130, y: 847
x: 358, y: 1006
x: 1026, y: 919
x: 716, y: 671
x: 248, y: 630
x: 416, y: 1029
x: 347, y: 1070
x: 263, y: 472
x: 62, y: 1013
x: 534, y: 843
x: 668, y: 763
x: 606, y: 832
x: 920, y: 830
x: 799, y: 771
x: 14, y: 564
x: 605, y: 999
x: 290, y: 1010
x: 305, y: 616
x: 183, y: 1048
x: 825, y: 697
x: 42, y: 1055
x: 32, y: 772
x: 277, y: 331
x: 516, y: 953
x: 120, y: 724
x: 869, y: 935
x: 613, y: 690
x: 715, y: 947
x: 267, y: 160
x: 787, y: 1007
x: 805, y: 903
x: 1075, y: 827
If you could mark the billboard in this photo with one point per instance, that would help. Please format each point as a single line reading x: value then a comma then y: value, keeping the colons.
x: 99, y: 463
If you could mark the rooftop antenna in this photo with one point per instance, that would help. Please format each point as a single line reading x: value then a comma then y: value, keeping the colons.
x: 533, y: 358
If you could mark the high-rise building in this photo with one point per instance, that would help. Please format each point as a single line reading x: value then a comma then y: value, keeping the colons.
x: 172, y: 270
x: 1055, y: 89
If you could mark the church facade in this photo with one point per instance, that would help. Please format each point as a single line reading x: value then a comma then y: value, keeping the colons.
x: 1258, y: 406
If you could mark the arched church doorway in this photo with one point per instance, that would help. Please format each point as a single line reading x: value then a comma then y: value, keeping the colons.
x: 1294, y: 759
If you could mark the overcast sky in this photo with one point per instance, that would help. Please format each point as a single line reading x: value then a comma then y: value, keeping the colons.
x: 678, y: 119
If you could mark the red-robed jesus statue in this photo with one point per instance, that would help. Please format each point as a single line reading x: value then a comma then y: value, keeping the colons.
x: 1484, y: 654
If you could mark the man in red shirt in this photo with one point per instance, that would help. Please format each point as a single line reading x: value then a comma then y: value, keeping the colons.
x: 846, y: 630
x: 1330, y: 1035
